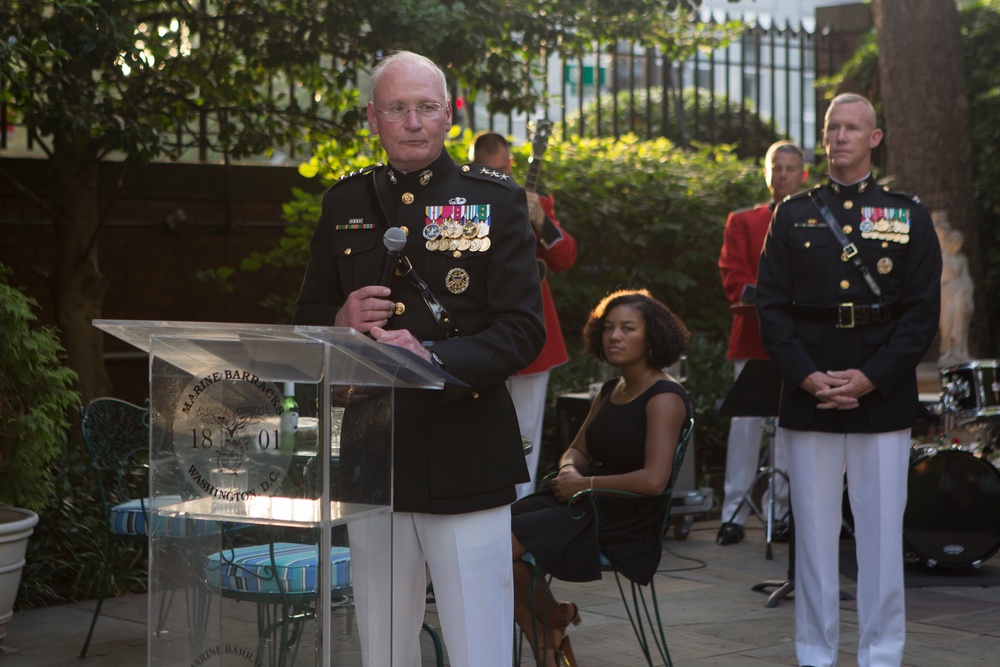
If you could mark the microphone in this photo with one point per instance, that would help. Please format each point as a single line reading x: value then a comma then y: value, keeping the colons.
x: 394, y: 240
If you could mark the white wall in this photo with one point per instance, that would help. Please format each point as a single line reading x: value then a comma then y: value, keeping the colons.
x: 780, y: 11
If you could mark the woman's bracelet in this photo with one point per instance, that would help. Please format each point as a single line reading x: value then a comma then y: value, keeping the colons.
x: 591, y: 483
x: 567, y: 465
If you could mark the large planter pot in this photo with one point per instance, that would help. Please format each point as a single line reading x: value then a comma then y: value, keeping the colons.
x: 16, y: 525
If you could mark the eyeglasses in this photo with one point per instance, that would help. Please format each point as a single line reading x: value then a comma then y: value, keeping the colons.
x: 397, y: 112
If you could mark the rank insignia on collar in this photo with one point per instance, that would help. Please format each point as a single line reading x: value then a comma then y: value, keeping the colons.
x: 425, y: 176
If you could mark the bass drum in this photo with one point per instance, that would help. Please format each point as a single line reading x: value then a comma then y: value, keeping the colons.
x: 952, y: 516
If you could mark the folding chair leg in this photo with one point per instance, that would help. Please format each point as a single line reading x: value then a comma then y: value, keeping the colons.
x: 639, y: 615
x: 105, y: 580
x: 438, y: 646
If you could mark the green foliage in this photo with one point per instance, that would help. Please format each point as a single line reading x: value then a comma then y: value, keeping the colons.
x: 707, y: 118
x: 122, y: 76
x: 65, y: 556
x: 646, y: 214
x: 35, y: 398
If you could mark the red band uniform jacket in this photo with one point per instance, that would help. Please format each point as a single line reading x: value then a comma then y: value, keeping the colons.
x: 742, y: 241
x: 802, y: 263
x: 557, y: 249
x: 454, y: 452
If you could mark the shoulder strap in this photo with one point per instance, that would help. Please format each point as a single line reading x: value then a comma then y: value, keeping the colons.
x: 405, y: 268
x: 850, y: 250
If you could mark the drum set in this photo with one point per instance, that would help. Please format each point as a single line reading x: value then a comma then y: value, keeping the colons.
x: 952, y: 516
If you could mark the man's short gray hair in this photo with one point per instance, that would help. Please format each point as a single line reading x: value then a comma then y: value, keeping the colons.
x: 409, y: 57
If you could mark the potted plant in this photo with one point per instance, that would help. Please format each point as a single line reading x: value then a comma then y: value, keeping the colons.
x: 35, y: 400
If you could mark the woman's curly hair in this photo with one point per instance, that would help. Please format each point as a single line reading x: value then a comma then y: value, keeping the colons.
x: 665, y: 332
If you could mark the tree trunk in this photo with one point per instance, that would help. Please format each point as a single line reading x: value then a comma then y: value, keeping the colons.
x: 928, y: 128
x: 76, y: 283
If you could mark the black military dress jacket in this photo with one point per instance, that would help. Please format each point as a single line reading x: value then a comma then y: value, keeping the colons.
x: 454, y: 452
x: 806, y: 280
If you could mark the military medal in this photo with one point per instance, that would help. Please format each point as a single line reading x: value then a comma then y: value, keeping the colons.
x: 432, y: 231
x: 457, y: 281
x: 484, y: 244
x: 884, y: 265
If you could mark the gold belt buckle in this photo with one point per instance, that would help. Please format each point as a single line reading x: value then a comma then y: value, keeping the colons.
x: 841, y: 309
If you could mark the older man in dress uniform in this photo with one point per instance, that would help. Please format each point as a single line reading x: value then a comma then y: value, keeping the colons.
x: 848, y: 293
x: 477, y: 313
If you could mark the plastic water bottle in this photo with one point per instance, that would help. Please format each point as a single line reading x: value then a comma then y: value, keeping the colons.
x: 289, y: 418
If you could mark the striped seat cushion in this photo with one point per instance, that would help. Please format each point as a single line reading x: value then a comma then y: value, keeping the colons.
x: 248, y: 569
x: 130, y: 518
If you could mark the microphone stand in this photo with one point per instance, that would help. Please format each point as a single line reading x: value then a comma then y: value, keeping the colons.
x: 756, y: 393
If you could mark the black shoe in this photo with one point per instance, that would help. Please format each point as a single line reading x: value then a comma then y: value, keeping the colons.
x: 729, y: 533
x: 780, y: 532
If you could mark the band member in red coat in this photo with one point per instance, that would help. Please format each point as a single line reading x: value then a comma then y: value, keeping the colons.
x: 555, y: 251
x: 784, y: 173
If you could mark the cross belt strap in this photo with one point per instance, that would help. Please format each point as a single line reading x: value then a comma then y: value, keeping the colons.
x: 405, y: 268
x: 850, y: 250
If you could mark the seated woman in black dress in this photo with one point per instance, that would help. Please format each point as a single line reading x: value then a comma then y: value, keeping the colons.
x: 627, y: 443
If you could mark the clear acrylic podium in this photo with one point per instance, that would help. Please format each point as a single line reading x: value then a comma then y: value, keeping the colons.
x: 240, y: 498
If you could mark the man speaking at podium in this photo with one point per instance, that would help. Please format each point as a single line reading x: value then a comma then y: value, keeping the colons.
x: 457, y: 454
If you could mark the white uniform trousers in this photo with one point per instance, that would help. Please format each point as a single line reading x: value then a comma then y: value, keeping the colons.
x: 742, y: 458
x: 528, y: 394
x: 877, y: 465
x: 470, y: 563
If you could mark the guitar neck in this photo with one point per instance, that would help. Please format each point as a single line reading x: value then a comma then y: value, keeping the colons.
x: 531, y: 178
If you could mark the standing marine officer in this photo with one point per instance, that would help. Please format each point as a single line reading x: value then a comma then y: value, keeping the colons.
x: 848, y: 293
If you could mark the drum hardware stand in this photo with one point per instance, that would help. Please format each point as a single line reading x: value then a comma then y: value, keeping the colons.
x: 782, y: 588
x: 769, y: 472
x: 756, y: 393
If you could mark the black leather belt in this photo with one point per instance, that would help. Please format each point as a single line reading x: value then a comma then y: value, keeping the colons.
x: 847, y: 315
